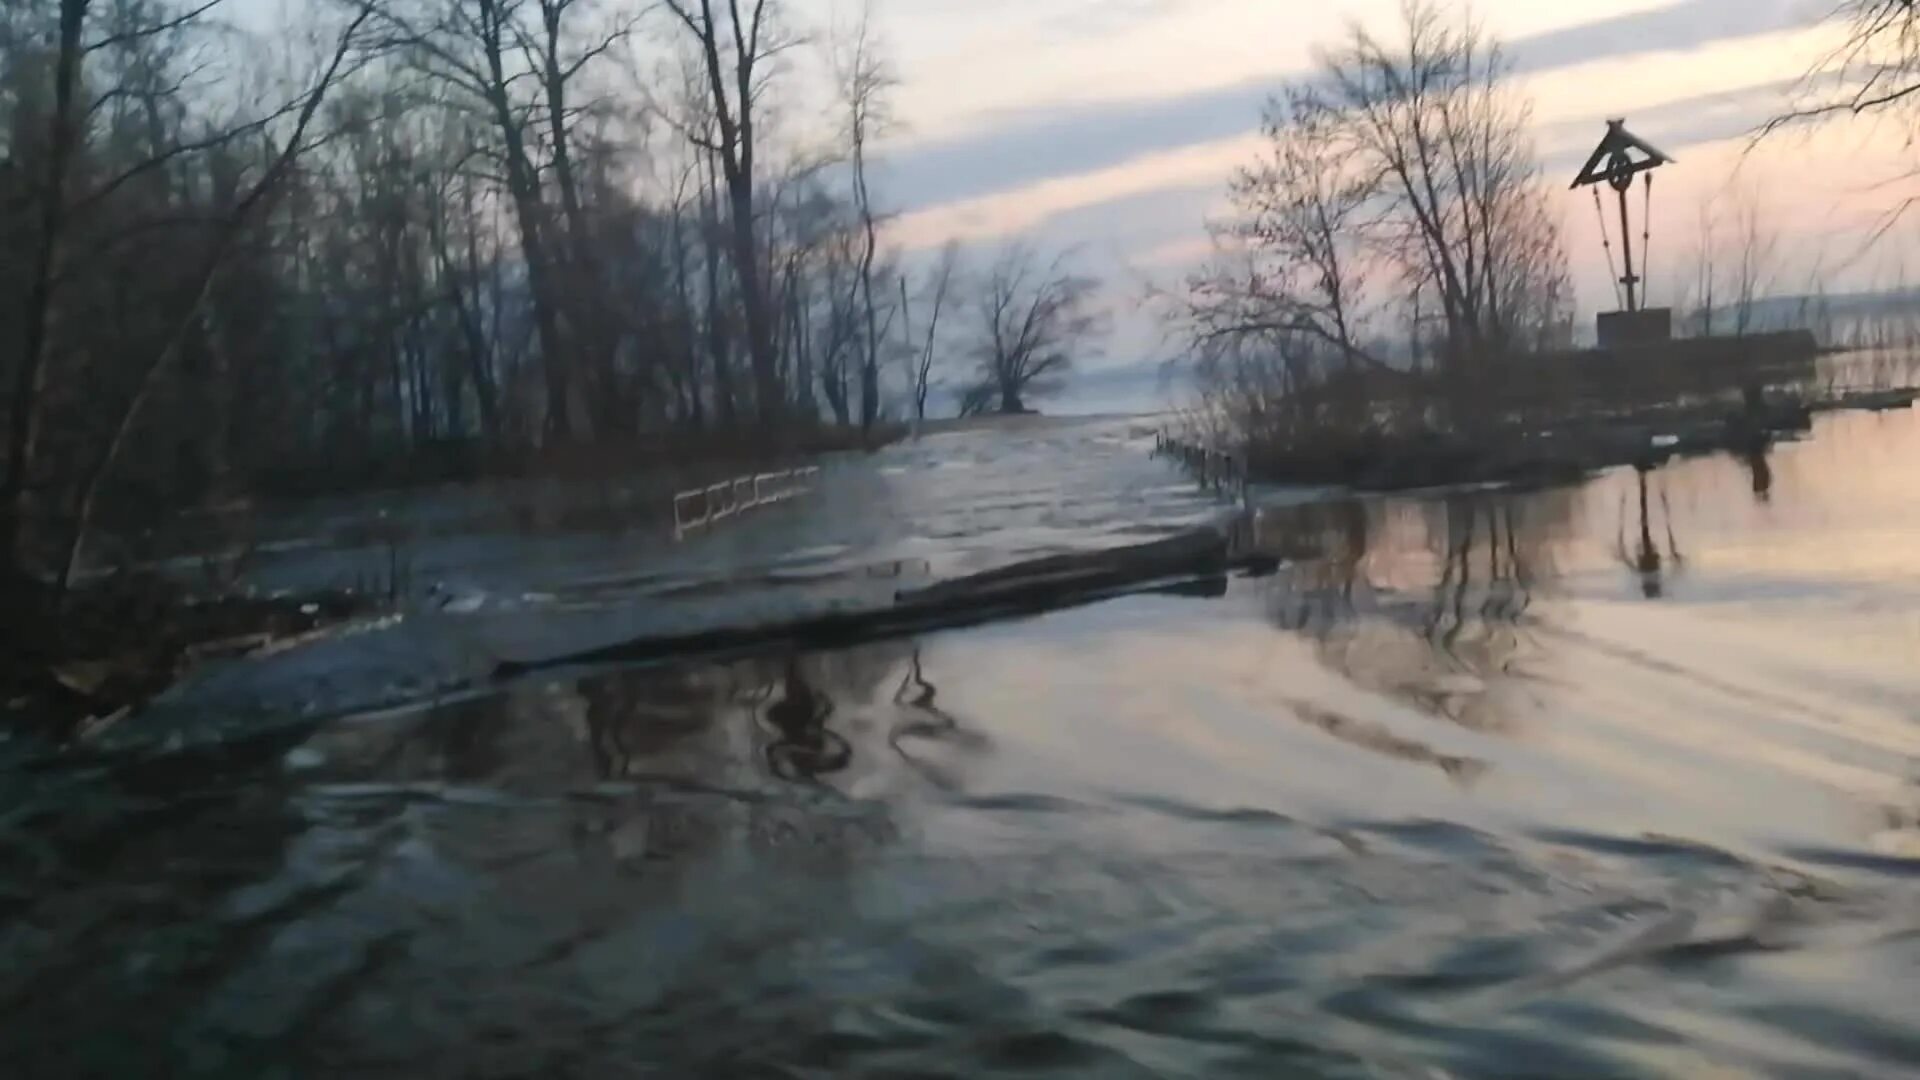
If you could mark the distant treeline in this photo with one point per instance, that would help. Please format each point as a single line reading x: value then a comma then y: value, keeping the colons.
x: 453, y: 232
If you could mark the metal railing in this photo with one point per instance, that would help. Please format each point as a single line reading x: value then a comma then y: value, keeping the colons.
x: 1211, y: 469
x: 698, y: 508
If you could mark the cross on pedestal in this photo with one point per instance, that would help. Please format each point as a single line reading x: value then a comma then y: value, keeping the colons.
x: 1620, y: 157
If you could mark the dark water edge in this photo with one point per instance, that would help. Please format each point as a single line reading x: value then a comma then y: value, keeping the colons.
x: 1496, y: 785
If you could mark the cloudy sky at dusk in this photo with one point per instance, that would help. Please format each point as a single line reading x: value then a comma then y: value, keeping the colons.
x: 1113, y: 125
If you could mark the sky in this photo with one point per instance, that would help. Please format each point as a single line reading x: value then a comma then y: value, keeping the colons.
x: 1111, y: 127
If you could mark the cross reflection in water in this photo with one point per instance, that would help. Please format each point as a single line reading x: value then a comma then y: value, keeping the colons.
x: 1646, y: 561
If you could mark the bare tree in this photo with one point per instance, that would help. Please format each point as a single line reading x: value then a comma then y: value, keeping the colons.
x: 467, y: 45
x: 923, y: 353
x: 1287, y: 285
x: 685, y: 370
x: 1755, y: 249
x: 865, y: 79
x: 248, y: 204
x: 125, y: 174
x: 1453, y: 183
x: 836, y: 345
x: 735, y: 49
x: 1703, y: 288
x: 804, y: 218
x: 1873, y: 71
x: 1398, y: 186
x: 705, y: 241
x: 454, y: 232
x: 468, y: 252
x: 52, y: 195
x: 1876, y: 65
x: 1032, y: 320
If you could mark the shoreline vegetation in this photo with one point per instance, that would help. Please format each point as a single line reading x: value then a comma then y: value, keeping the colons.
x: 1388, y: 304
x: 1536, y: 421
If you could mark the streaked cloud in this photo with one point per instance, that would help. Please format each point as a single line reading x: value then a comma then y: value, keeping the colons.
x: 1677, y: 27
x: 1131, y: 179
x: 1029, y: 206
x: 1023, y: 147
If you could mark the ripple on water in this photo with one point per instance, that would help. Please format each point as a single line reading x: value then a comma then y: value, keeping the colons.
x: 1156, y: 838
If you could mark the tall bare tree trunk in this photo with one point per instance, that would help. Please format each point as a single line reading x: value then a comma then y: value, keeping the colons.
x: 736, y: 151
x: 593, y: 318
x: 24, y: 421
x: 691, y: 410
x: 718, y: 344
x: 769, y: 401
x: 466, y: 316
x: 864, y: 82
x: 524, y: 187
x: 870, y: 362
x: 801, y: 332
x: 261, y: 192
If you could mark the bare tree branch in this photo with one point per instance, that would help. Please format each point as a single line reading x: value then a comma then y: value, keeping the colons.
x: 262, y: 189
x: 131, y: 36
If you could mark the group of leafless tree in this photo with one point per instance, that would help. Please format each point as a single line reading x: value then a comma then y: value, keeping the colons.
x: 1396, y: 223
x: 407, y: 233
x: 138, y: 273
x: 1733, y: 266
x: 1396, y: 233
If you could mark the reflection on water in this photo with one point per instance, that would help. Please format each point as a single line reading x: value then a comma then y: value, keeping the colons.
x: 1422, y: 601
x: 1760, y: 469
x: 632, y: 717
x: 928, y: 724
x: 1619, y: 780
x: 804, y: 748
x: 1646, y: 561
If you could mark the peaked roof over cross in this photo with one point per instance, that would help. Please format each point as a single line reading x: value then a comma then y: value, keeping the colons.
x: 1620, y: 156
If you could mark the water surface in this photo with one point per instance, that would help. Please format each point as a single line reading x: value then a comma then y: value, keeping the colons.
x: 1575, y: 782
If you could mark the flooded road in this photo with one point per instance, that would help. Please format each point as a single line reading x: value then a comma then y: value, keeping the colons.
x: 489, y: 575
x: 1614, y: 780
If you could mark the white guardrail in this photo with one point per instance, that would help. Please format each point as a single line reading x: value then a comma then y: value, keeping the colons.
x: 698, y: 508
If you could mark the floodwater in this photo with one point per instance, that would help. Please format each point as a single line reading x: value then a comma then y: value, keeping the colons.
x: 1616, y: 780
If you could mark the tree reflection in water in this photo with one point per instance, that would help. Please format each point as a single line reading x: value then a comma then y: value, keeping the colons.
x: 941, y: 726
x: 642, y: 721
x: 804, y: 748
x: 1426, y: 602
x: 638, y: 715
